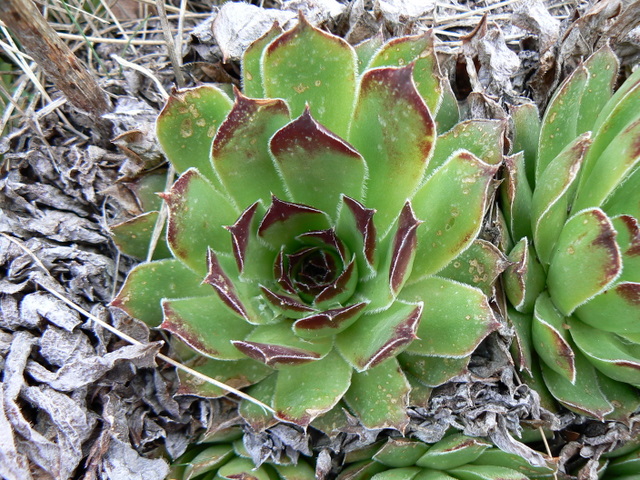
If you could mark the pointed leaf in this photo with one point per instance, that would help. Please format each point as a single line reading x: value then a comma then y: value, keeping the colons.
x: 452, y: 204
x: 403, y: 249
x: 483, y: 138
x: 299, y: 471
x: 586, y: 262
x: 187, y: 124
x: 603, y: 68
x: 197, y: 213
x: 308, y: 66
x: 304, y: 392
x: 485, y: 472
x: 453, y: 451
x: 614, y: 356
x: 611, y: 169
x: 550, y: 337
x: 516, y: 196
x: 284, y: 221
x: 328, y: 322
x: 148, y: 283
x: 560, y: 122
x: 206, y: 324
x: 289, y: 305
x: 478, y: 266
x: 448, y: 113
x: 379, y: 396
x: 133, y: 237
x: 236, y: 374
x: 367, y: 49
x: 621, y: 200
x: 400, y: 452
x: 553, y: 195
x: 242, y: 468
x: 355, y: 227
x: 522, y: 345
x: 364, y: 470
x: 524, y: 279
x: 393, y: 130
x: 432, y: 371
x: 277, y: 346
x: 407, y: 473
x: 615, y: 310
x: 208, y: 460
x: 628, y: 239
x: 257, y: 417
x: 457, y: 317
x: 526, y: 121
x: 251, y: 59
x: 308, y: 156
x: 240, y: 150
x: 378, y: 336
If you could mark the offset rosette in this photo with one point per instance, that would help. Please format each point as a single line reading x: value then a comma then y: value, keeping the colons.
x: 572, y: 201
x: 323, y: 249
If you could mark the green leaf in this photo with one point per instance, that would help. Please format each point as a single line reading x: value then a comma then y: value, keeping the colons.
x: 308, y: 156
x: 524, y: 279
x: 393, y: 130
x: 452, y: 204
x: 367, y: 49
x: 526, y: 121
x: 629, y: 464
x: 478, y: 266
x: 456, y: 318
x: 615, y: 310
x: 453, y: 451
x: 328, y: 322
x: 355, y: 227
x: 133, y: 237
x: 251, y: 71
x: 433, y: 475
x: 407, y: 473
x: 483, y: 138
x: 611, y: 169
x: 303, y: 392
x: 377, y: 336
x: 237, y: 374
x: 308, y: 66
x: 522, y: 345
x: 498, y: 458
x: 486, y: 472
x: 208, y: 460
x: 550, y: 337
x: 400, y: 452
x: 364, y: 470
x: 628, y: 239
x: 243, y: 468
x: 516, y: 196
x: 148, y: 283
x: 257, y: 417
x: 240, y: 152
x: 448, y: 114
x: 379, y: 396
x: 206, y: 324
x: 553, y: 195
x: 197, y: 214
x: 619, y: 202
x: 432, y: 371
x: 560, y: 122
x: 586, y: 262
x: 299, y: 471
x: 603, y: 68
x: 614, y: 356
x: 187, y: 124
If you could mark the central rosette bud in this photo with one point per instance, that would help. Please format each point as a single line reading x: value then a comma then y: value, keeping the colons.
x: 312, y: 270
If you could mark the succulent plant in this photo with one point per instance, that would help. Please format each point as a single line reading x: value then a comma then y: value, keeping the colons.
x: 622, y: 463
x: 455, y: 457
x: 571, y: 203
x: 324, y: 245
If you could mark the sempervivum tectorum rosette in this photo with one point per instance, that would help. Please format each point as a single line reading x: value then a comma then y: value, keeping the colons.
x: 320, y: 242
x: 572, y: 200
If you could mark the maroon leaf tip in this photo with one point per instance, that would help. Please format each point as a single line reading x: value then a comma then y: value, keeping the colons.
x: 273, y: 355
x: 364, y: 224
x: 284, y: 301
x: 404, y: 246
x: 281, y: 211
x: 240, y: 232
x: 219, y: 280
x: 333, y: 318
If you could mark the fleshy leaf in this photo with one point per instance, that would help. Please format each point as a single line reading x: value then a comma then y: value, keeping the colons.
x: 197, y: 213
x: 257, y: 417
x: 400, y: 452
x: 612, y: 355
x: 240, y: 152
x: 550, y: 337
x: 133, y: 237
x: 485, y: 472
x: 560, y: 122
x: 516, y: 196
x: 452, y: 203
x: 208, y: 460
x: 406, y: 473
x: 615, y: 310
x: 218, y: 278
x: 586, y: 262
x: 148, y: 283
x: 251, y: 70
x: 552, y: 196
x: 276, y: 346
x: 453, y: 451
x: 393, y: 130
x: 304, y: 392
x: 236, y: 374
x: 308, y: 66
x: 356, y: 228
x: 456, y: 318
x: 621, y: 200
x: 603, y: 68
x: 612, y: 168
x: 522, y: 345
x: 187, y: 124
x: 289, y: 305
x: 242, y: 468
x: 328, y: 322
x: 432, y: 371
x: 478, y: 266
x: 483, y: 138
x: 403, y: 249
x: 284, y: 221
x: 526, y: 121
x: 309, y: 156
x: 378, y: 336
x: 206, y: 325
x: 524, y: 279
x: 379, y: 396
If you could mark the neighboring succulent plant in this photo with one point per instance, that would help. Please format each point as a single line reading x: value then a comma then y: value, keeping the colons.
x: 339, y: 250
x: 571, y: 201
x: 455, y: 457
x: 622, y: 464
